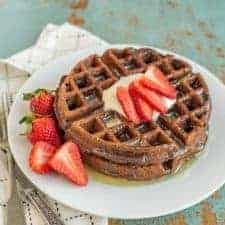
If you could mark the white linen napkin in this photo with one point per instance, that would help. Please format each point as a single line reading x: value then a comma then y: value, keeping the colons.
x: 53, y: 42
x: 4, y: 186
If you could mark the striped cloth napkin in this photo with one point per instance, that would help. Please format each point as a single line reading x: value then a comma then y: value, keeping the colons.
x: 53, y: 42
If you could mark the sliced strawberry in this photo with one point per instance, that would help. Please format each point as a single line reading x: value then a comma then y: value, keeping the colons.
x: 67, y: 161
x: 127, y: 104
x: 143, y: 109
x: 152, y: 98
x: 157, y: 81
x: 39, y: 156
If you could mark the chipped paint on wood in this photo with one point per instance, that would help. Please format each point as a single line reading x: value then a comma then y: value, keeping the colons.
x: 133, y: 20
x: 173, y: 3
x: 189, y: 10
x: 223, y: 76
x: 177, y: 220
x: 171, y: 42
x: 216, y: 195
x: 114, y: 222
x: 199, y: 47
x: 76, y: 20
x: 79, y: 4
x: 64, y: 3
x: 75, y: 6
x: 207, y: 215
x: 188, y: 32
x: 2, y: 2
x: 205, y: 30
x: 220, y: 53
x: 177, y: 38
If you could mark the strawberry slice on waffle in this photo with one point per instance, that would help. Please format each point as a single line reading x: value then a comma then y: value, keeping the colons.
x: 127, y: 104
x: 143, y: 109
x: 156, y: 81
x: 151, y: 97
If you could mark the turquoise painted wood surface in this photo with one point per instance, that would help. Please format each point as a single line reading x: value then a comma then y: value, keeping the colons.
x: 194, y: 28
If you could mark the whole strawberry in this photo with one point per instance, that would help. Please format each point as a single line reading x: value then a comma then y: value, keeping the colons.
x: 41, y: 102
x: 43, y: 129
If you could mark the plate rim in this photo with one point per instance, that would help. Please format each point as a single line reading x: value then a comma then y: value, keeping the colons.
x: 99, y: 48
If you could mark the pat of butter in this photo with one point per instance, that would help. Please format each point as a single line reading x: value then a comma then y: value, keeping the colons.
x: 111, y: 102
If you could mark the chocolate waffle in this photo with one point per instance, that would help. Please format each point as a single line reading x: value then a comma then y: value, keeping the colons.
x: 108, y: 141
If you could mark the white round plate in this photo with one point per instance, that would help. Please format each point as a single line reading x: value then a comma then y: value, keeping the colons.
x: 197, y: 182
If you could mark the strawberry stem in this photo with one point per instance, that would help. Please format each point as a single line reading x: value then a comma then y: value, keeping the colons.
x: 28, y: 122
x: 26, y: 119
x: 39, y: 90
x: 28, y: 96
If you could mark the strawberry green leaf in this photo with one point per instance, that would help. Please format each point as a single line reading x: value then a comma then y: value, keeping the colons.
x: 26, y: 119
x: 39, y: 90
x: 28, y: 96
